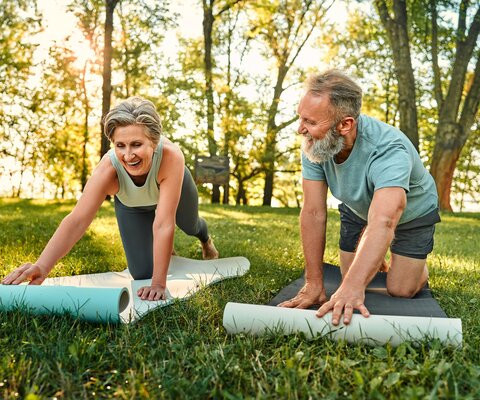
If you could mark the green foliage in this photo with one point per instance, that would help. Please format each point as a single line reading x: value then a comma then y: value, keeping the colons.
x: 50, y: 112
x: 65, y: 105
x: 19, y: 21
x: 283, y: 28
x: 466, y: 184
x: 362, y: 48
x: 137, y: 46
x: 182, y: 351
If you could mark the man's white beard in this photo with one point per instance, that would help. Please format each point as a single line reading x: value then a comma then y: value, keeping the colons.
x: 321, y: 150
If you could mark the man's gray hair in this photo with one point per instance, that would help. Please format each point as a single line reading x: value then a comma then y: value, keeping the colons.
x: 134, y: 111
x: 345, y: 95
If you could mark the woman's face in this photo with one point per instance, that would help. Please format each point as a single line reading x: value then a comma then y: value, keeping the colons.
x: 133, y: 149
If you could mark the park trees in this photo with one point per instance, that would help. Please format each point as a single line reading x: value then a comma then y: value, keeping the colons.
x: 444, y: 52
x: 396, y: 27
x: 457, y: 90
x: 107, y: 70
x: 452, y: 49
x: 19, y: 21
x: 283, y: 27
x: 220, y: 59
x: 212, y: 11
x: 226, y: 90
x: 132, y: 48
x: 66, y: 129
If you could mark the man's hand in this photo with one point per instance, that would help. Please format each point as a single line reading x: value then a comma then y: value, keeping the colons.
x: 26, y: 272
x: 308, y: 295
x: 152, y: 293
x: 344, y: 300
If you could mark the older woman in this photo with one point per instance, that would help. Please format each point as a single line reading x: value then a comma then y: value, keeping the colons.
x: 153, y: 191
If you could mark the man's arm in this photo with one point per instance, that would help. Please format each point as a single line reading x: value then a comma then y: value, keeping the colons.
x: 313, y: 221
x: 385, y: 211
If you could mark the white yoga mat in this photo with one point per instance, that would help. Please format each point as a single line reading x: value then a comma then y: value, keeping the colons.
x: 111, y: 296
x: 375, y: 330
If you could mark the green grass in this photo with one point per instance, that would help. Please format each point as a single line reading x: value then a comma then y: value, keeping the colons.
x: 182, y: 351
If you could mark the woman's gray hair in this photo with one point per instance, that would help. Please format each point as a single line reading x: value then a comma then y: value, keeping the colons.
x: 344, y: 94
x: 134, y: 111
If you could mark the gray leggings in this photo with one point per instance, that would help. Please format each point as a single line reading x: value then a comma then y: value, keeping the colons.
x: 135, y: 225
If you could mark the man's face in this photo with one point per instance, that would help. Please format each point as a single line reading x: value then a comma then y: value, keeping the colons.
x: 321, y: 141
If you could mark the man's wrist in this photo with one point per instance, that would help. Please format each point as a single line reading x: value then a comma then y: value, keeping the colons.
x: 314, y: 275
x: 354, y: 282
x: 314, y: 281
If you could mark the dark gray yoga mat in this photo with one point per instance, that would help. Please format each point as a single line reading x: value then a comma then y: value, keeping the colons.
x: 376, y: 298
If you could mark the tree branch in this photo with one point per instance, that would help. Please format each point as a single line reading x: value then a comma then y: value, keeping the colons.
x: 462, y: 21
x: 473, y: 32
x: 463, y: 54
x: 384, y: 14
x: 472, y: 100
x: 227, y: 7
x: 284, y: 124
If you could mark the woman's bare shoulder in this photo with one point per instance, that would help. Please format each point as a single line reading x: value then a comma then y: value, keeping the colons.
x: 172, y: 159
x: 172, y: 151
x: 106, y: 174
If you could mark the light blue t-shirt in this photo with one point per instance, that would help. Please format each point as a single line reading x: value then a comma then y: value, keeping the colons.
x: 382, y: 156
x: 132, y: 195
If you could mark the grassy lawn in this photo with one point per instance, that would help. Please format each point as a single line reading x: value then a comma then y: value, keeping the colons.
x: 182, y: 351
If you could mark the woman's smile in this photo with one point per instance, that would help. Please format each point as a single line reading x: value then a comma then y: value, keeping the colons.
x: 134, y: 149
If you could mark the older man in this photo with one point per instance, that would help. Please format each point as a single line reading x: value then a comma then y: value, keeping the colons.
x: 388, y: 199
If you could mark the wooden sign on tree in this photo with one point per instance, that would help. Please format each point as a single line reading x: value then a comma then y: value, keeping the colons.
x: 214, y: 169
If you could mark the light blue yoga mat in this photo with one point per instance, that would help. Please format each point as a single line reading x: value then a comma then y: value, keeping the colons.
x: 87, y: 303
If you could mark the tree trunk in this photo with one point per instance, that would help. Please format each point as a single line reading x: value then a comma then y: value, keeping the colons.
x: 208, y: 20
x: 107, y: 71
x: 271, y: 137
x: 84, y: 173
x: 455, y: 123
x: 397, y: 32
x: 226, y: 193
x: 241, y: 194
x: 444, y: 160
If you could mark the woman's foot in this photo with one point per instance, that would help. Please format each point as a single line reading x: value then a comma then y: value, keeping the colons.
x: 209, y: 252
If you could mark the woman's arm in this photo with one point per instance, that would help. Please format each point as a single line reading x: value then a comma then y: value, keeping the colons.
x: 72, y: 227
x: 171, y: 179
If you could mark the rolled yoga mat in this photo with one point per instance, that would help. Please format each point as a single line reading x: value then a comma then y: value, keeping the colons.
x: 393, y: 320
x: 96, y: 292
x: 87, y: 303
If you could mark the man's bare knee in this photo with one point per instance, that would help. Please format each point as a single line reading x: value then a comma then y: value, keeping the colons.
x: 406, y: 277
x: 401, y: 291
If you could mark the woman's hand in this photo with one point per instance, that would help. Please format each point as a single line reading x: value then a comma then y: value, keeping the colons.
x: 27, y: 272
x: 152, y: 293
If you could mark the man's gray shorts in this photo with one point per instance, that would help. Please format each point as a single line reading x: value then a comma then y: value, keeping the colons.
x: 412, y: 239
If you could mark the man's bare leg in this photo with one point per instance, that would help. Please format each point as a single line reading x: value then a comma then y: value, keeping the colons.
x: 407, y: 276
x: 346, y: 259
